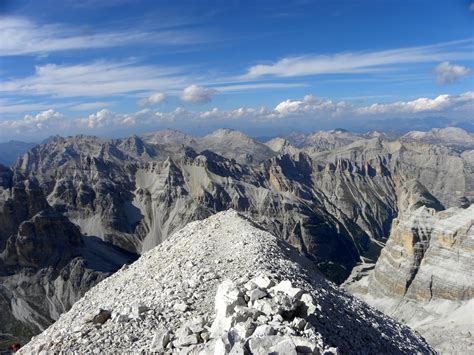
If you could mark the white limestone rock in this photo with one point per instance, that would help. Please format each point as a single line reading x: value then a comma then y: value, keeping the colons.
x: 424, y: 276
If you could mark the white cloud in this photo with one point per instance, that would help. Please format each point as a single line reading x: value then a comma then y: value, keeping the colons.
x: 20, y: 36
x: 19, y: 107
x: 360, y: 62
x: 307, y: 109
x: 441, y: 103
x: 311, y: 105
x: 447, y: 73
x: 101, y: 79
x: 153, y: 99
x: 197, y: 94
x: 46, y: 120
x: 104, y: 118
x: 97, y: 79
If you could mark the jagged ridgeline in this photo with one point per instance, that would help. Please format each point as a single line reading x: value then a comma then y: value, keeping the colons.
x: 76, y: 209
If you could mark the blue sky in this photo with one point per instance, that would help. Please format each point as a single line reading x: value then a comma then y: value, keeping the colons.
x: 116, y: 67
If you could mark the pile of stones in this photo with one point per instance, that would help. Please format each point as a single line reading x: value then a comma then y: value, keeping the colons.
x: 255, y: 317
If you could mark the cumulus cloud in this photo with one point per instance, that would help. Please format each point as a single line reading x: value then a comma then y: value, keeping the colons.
x: 447, y: 73
x: 46, y: 120
x: 105, y: 118
x: 360, y: 62
x: 292, y: 111
x: 153, y: 99
x: 313, y: 107
x: 310, y: 105
x: 462, y: 102
x: 197, y: 94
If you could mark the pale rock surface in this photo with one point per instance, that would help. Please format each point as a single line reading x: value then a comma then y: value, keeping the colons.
x: 230, y: 256
x: 450, y: 136
x: 424, y: 276
x: 229, y: 143
x: 324, y: 140
x: 281, y: 146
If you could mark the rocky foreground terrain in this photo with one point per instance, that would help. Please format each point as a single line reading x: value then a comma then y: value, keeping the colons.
x: 74, y: 210
x: 223, y: 286
x: 424, y: 276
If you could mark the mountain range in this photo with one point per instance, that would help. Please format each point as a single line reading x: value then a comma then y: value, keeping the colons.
x: 74, y: 210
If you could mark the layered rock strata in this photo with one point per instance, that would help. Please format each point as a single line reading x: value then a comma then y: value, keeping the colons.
x: 424, y: 276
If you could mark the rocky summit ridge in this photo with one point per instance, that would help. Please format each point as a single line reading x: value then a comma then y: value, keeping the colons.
x: 223, y: 286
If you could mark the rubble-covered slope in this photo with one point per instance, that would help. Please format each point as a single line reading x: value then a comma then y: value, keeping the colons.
x: 424, y: 276
x: 223, y: 285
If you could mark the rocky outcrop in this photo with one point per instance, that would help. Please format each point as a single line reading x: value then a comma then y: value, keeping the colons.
x: 19, y: 201
x: 324, y: 140
x: 226, y: 142
x: 47, y: 239
x: 427, y: 256
x: 413, y: 195
x: 225, y: 286
x: 424, y: 275
x: 446, y: 173
x: 46, y: 264
x: 449, y: 136
x: 281, y: 146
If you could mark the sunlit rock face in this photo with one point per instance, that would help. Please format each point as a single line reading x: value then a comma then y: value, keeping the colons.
x: 424, y: 275
x: 428, y: 256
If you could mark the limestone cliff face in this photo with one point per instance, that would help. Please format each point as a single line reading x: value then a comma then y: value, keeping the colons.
x: 229, y: 143
x: 429, y: 255
x: 19, y: 201
x: 424, y: 276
